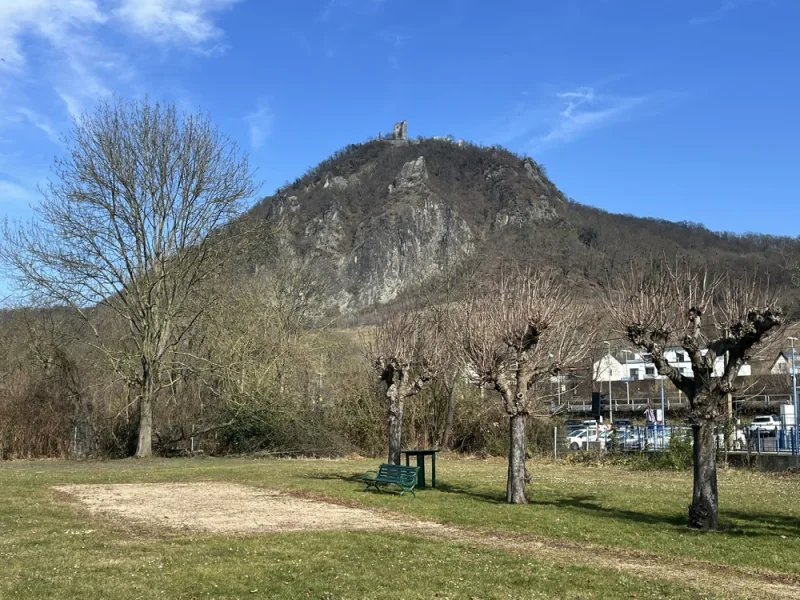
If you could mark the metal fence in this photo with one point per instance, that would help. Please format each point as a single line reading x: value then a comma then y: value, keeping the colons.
x: 658, y: 437
x: 672, y: 402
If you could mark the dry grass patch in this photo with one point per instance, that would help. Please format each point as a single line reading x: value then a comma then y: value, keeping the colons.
x: 218, y: 507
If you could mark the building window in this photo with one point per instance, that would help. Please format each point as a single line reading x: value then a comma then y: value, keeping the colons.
x: 680, y: 356
x: 649, y: 370
x: 634, y: 373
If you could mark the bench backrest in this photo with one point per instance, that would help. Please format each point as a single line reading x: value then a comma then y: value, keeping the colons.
x: 406, y: 475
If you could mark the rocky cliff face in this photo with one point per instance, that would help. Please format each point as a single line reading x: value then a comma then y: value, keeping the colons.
x: 394, y: 216
x: 388, y: 215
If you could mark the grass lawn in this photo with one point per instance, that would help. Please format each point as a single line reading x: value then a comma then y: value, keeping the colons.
x: 50, y: 548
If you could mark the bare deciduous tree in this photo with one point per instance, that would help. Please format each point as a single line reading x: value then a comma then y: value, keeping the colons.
x: 404, y: 354
x: 130, y: 224
x: 658, y: 304
x: 513, y: 336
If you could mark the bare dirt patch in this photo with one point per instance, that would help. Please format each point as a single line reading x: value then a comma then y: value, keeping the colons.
x: 216, y: 507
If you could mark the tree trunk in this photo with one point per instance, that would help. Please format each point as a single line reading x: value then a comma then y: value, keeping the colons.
x: 395, y: 427
x: 447, y: 436
x: 704, y: 507
x: 144, y: 448
x: 515, y: 488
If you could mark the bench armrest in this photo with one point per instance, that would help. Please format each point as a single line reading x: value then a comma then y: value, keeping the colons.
x: 364, y: 476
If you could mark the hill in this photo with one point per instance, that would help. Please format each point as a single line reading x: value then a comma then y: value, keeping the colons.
x: 388, y: 214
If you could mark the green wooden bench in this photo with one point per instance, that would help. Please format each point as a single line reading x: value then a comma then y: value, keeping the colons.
x: 403, y: 477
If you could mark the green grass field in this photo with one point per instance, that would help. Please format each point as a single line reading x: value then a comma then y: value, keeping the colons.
x: 587, y: 533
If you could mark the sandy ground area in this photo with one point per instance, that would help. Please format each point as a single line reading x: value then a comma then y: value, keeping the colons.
x: 216, y: 507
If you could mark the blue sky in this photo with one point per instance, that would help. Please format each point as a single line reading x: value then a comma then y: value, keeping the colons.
x: 679, y: 109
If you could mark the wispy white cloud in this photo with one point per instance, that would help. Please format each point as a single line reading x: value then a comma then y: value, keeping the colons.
x: 260, y: 123
x: 57, y: 58
x: 332, y: 7
x: 584, y: 110
x: 714, y: 15
x: 13, y: 193
x: 55, y: 21
x: 552, y: 117
x: 723, y: 10
x: 183, y: 23
x: 327, y: 12
x: 396, y: 42
x: 40, y: 122
x: 74, y: 105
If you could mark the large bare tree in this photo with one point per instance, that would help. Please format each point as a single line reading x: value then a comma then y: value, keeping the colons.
x: 513, y: 335
x: 129, y: 224
x: 658, y: 304
x: 404, y: 355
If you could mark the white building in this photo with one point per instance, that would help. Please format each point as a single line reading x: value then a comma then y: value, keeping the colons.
x: 608, y: 368
x: 635, y: 366
x: 782, y: 364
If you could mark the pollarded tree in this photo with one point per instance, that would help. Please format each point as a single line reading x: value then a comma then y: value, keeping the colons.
x: 658, y: 304
x: 514, y: 335
x: 404, y: 355
x: 130, y: 226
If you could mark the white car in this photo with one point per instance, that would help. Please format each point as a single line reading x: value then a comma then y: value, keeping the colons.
x: 739, y: 439
x: 764, y: 424
x: 579, y: 440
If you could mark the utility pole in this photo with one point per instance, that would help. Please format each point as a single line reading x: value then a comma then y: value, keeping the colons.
x: 627, y: 377
x: 610, y: 400
x: 663, y: 413
x: 729, y: 437
x: 794, y: 397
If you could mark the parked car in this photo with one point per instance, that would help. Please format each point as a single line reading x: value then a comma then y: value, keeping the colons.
x: 764, y: 425
x: 656, y: 437
x: 580, y: 440
x: 622, y: 424
x: 739, y: 439
x: 577, y: 439
x: 630, y: 440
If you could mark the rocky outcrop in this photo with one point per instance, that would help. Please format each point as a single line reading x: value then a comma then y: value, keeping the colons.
x: 412, y: 174
x: 325, y: 233
x: 405, y: 247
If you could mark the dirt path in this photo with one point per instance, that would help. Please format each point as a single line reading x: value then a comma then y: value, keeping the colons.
x: 216, y: 507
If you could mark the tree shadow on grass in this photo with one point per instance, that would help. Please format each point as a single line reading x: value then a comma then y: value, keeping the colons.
x: 747, y: 523
x: 490, y: 497
x: 353, y: 477
x: 589, y: 504
x: 751, y: 523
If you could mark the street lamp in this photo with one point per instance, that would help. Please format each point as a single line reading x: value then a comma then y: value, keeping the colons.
x: 627, y: 376
x: 610, y: 401
x: 663, y: 412
x: 794, y: 397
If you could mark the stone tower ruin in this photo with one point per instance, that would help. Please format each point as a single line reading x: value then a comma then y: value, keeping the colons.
x: 400, y: 131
